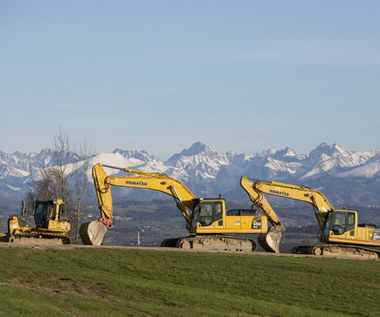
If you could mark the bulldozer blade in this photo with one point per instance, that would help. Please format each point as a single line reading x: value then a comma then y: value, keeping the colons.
x: 93, y: 232
x: 270, y: 241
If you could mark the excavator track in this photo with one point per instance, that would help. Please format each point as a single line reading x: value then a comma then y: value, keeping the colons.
x: 212, y: 243
x: 338, y: 250
x: 38, y: 238
x: 170, y: 243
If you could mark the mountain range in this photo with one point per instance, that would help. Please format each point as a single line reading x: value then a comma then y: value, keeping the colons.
x: 344, y: 176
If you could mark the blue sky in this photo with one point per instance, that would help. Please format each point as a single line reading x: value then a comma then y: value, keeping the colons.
x: 160, y: 75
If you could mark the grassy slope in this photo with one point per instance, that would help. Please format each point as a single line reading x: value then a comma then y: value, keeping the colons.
x: 105, y: 282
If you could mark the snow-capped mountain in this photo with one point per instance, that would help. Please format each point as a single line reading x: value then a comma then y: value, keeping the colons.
x: 346, y: 177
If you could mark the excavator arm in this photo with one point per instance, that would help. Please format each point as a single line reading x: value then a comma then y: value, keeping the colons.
x: 260, y: 201
x: 269, y: 241
x: 319, y: 202
x: 93, y: 232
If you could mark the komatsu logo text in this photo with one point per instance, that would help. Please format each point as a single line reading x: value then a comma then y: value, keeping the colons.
x: 277, y: 192
x: 136, y: 183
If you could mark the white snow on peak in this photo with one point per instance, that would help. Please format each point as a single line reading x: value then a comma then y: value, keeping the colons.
x: 368, y: 170
x: 196, y: 149
x: 269, y: 152
x: 281, y: 166
x: 201, y: 167
x: 290, y: 152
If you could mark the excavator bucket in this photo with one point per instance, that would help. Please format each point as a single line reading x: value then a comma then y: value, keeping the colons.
x: 270, y: 241
x: 93, y: 232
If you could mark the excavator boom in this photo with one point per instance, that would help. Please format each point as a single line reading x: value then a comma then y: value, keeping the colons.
x: 319, y: 202
x: 269, y: 241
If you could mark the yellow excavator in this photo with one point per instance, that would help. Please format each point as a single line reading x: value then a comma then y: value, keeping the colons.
x: 207, y: 219
x: 46, y: 225
x: 341, y: 235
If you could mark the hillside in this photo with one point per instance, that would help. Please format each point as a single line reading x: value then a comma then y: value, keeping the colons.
x: 134, y: 282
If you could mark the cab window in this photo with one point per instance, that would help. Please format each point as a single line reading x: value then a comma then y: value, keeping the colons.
x: 338, y: 225
x: 218, y: 208
x: 328, y: 224
x: 62, y: 211
x: 40, y: 209
x: 206, y: 210
x: 350, y: 221
x: 210, y: 211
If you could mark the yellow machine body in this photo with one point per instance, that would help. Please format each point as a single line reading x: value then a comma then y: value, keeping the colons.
x: 204, y: 216
x: 342, y: 227
x: 336, y: 226
x: 211, y: 216
x: 46, y: 223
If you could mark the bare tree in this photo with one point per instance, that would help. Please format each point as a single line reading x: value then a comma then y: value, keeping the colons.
x: 80, y: 179
x: 48, y: 186
x: 66, y: 180
x: 62, y: 159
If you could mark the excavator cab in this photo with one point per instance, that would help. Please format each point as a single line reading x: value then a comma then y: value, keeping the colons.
x: 339, y: 222
x: 207, y: 212
x: 45, y: 213
x: 210, y: 216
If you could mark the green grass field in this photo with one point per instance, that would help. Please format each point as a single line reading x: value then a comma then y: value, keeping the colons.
x: 120, y: 282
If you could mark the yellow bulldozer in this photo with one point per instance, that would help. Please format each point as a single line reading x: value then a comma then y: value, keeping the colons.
x: 45, y: 225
